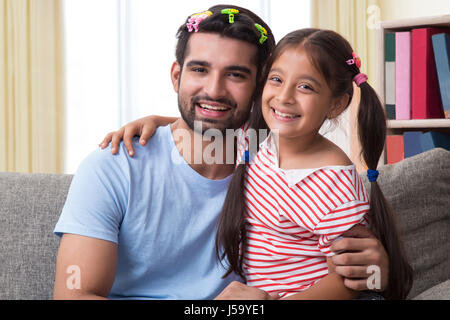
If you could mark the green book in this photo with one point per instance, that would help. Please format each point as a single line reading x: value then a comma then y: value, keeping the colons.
x: 389, y: 74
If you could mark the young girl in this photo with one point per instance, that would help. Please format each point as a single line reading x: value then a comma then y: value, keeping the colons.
x: 298, y: 194
x: 287, y: 203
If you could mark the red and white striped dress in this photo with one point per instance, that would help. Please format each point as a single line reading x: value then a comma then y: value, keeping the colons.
x: 293, y: 216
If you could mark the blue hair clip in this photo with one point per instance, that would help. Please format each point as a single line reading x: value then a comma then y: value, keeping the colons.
x: 372, y: 175
x: 246, y: 157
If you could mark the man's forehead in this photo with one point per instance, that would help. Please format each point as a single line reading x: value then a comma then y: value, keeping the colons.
x: 220, y: 51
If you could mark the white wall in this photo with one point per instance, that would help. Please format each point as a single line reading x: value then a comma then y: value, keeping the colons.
x: 400, y: 9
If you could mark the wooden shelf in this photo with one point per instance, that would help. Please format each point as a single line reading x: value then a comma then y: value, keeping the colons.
x: 419, y: 124
x: 400, y: 126
x: 402, y: 25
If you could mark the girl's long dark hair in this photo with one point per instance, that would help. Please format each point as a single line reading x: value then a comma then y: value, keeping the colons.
x: 328, y: 52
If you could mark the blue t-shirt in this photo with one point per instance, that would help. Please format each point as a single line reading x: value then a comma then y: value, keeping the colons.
x: 160, y: 212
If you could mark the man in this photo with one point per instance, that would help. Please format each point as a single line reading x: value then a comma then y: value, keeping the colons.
x: 144, y: 227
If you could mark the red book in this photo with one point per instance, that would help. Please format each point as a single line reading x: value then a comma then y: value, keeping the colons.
x: 395, y: 150
x: 425, y: 96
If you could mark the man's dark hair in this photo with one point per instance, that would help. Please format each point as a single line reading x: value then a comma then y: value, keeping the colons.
x: 242, y: 29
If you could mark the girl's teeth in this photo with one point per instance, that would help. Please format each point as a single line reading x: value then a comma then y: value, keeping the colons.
x: 285, y: 114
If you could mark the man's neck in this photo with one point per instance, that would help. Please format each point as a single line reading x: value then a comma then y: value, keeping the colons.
x: 206, y: 155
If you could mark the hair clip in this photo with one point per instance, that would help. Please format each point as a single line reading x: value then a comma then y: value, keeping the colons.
x: 263, y: 32
x: 195, y: 20
x: 360, y: 78
x: 245, y: 157
x: 372, y: 175
x: 356, y: 60
x: 230, y: 13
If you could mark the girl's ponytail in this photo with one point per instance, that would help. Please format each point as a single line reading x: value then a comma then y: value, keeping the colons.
x: 372, y: 135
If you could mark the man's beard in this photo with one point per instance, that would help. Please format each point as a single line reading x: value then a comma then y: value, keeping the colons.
x: 187, y: 111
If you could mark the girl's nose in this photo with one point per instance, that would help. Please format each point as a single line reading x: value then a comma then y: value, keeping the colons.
x: 286, y: 95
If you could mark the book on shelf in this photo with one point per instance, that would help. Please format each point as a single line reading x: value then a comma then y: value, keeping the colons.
x: 411, y: 143
x: 441, y: 49
x: 425, y: 93
x: 433, y: 139
x: 395, y: 150
x: 403, y: 75
x: 389, y: 54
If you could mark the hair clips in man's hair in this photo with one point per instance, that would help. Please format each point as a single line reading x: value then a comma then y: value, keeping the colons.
x: 195, y: 20
x: 263, y: 33
x: 230, y: 13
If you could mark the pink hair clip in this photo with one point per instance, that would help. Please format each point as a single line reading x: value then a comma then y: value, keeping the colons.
x: 360, y: 78
x: 356, y: 60
x: 195, y: 20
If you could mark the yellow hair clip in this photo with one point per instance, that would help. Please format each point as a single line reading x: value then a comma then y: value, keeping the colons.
x: 263, y: 32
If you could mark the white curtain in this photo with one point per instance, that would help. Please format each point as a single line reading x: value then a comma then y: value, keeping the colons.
x: 31, y: 86
x: 356, y: 21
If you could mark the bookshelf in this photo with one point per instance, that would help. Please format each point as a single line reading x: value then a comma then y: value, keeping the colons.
x: 401, y: 126
x: 398, y: 126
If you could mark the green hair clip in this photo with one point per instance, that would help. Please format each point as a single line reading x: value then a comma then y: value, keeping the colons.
x: 230, y: 13
x: 263, y: 32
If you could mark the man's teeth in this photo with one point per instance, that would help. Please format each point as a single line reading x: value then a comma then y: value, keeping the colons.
x: 285, y: 115
x: 215, y: 108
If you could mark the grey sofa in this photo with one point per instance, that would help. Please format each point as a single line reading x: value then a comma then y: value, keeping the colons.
x: 418, y: 189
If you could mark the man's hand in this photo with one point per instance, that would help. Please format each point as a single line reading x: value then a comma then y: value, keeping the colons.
x: 239, y: 291
x: 361, y: 250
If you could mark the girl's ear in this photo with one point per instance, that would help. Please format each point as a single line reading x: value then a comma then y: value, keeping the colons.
x: 338, y: 106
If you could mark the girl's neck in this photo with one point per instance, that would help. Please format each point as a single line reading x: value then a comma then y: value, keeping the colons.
x: 295, y: 153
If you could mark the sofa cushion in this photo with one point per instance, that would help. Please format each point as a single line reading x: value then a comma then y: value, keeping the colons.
x: 418, y: 189
x: 438, y: 292
x: 30, y: 205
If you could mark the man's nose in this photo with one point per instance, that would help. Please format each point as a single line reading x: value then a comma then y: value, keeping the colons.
x: 215, y: 86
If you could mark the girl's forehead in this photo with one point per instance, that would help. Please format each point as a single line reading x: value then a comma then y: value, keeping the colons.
x: 295, y: 59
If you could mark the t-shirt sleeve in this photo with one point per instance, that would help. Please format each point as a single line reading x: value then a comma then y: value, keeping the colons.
x: 338, y: 221
x: 97, y: 197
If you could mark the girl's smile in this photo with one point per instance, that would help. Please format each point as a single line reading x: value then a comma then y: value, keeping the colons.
x: 284, y: 116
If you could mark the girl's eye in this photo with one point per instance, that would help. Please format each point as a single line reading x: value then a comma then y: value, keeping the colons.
x: 275, y: 78
x: 306, y: 87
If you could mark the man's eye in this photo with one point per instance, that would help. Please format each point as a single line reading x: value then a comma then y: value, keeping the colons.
x: 198, y: 69
x: 237, y: 75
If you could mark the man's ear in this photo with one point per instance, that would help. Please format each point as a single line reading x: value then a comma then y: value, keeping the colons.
x: 175, y: 75
x: 339, y: 106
